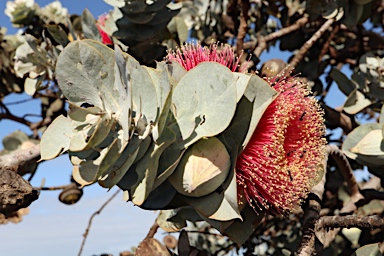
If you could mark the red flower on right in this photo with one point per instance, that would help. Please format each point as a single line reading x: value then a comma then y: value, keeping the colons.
x: 280, y: 164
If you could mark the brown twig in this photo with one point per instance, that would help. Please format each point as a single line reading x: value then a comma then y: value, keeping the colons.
x: 52, y: 188
x: 12, y: 117
x: 5, y: 113
x: 307, y: 244
x: 152, y: 231
x: 20, y: 101
x: 346, y: 170
x: 308, y: 44
x: 4, y: 108
x: 90, y: 220
x: 350, y: 221
x: 324, y: 50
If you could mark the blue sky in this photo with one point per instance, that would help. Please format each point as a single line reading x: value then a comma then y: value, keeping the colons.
x: 54, y: 228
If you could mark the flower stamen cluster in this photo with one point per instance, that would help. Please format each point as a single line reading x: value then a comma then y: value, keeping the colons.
x: 280, y: 164
x: 190, y: 55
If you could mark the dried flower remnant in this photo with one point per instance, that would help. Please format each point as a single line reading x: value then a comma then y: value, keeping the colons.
x: 279, y: 166
x: 105, y: 38
x: 190, y: 55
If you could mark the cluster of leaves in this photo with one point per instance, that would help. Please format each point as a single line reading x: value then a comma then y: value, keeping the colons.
x: 9, y: 81
x: 35, y: 54
x: 149, y: 24
x: 139, y: 128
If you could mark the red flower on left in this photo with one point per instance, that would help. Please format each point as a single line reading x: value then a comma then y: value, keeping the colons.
x: 105, y: 38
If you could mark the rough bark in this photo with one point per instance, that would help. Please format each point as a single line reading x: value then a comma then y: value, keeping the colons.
x: 15, y: 192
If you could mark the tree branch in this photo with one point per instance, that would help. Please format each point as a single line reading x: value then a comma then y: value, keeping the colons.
x: 52, y: 188
x: 243, y: 26
x: 324, y: 50
x: 262, y: 40
x: 14, y: 118
x: 85, y: 235
x: 307, y: 45
x: 350, y: 221
x: 18, y: 161
x: 311, y: 215
x: 152, y: 230
x: 342, y: 162
x: 346, y: 170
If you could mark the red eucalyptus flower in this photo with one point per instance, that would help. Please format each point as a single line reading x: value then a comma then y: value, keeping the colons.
x: 105, y: 38
x: 279, y: 165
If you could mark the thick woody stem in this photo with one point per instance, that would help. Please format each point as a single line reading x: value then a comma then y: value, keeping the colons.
x: 311, y: 215
x: 152, y: 231
x: 307, y: 45
x: 350, y: 221
x: 18, y: 161
x: 346, y: 170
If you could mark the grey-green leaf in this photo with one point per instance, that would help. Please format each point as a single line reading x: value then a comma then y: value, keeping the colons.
x: 56, y: 138
x: 124, y: 86
x: 240, y: 230
x: 175, y: 70
x: 203, y: 168
x: 356, y: 135
x: 368, y: 250
x: 173, y: 225
x: 261, y: 94
x: 345, y: 85
x: 147, y: 168
x: 371, y: 148
x: 221, y: 206
x: 164, y: 98
x: 14, y: 140
x: 356, y: 102
x: 88, y: 24
x: 91, y: 68
x: 382, y: 114
x: 118, y: 164
x: 205, y: 101
x: 58, y: 34
x: 143, y: 91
